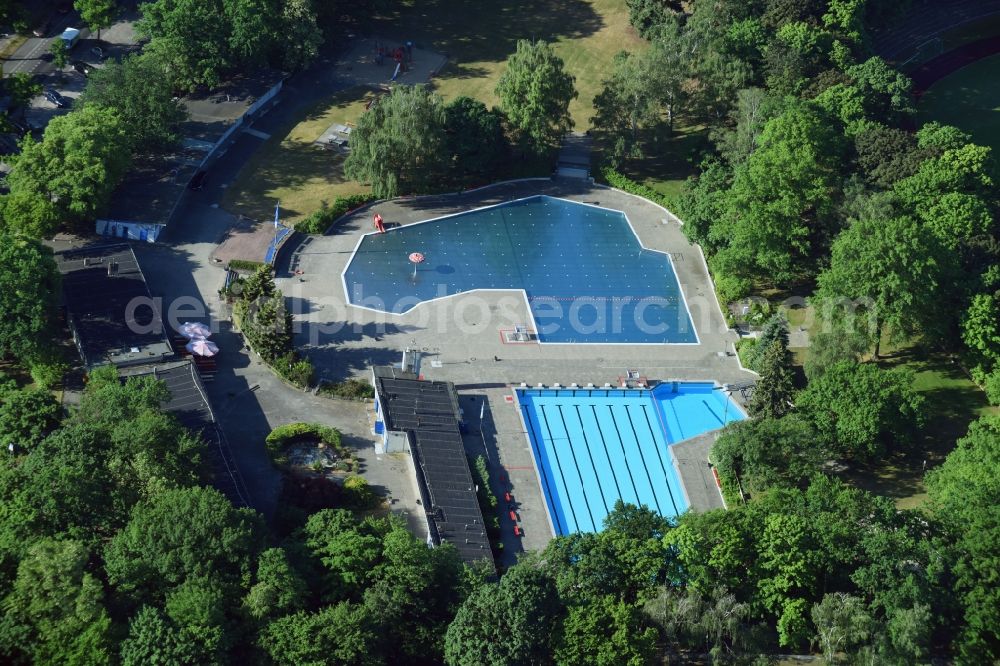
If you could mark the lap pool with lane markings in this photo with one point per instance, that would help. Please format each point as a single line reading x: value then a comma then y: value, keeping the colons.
x: 586, y: 276
x: 593, y: 447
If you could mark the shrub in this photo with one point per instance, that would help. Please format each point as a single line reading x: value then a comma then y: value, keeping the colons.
x: 283, y: 436
x: 626, y: 184
x: 746, y: 348
x: 48, y: 374
x: 320, y: 221
x: 359, y: 493
x: 296, y: 369
x: 352, y: 389
x: 992, y: 386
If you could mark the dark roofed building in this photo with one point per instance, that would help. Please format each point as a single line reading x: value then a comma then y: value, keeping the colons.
x: 189, y: 403
x: 109, y: 309
x: 426, y: 413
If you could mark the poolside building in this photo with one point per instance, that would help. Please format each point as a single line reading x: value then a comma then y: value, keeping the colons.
x: 423, y: 418
x: 108, y: 307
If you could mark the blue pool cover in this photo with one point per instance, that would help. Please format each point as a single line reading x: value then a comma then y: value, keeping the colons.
x: 585, y: 274
x: 593, y: 447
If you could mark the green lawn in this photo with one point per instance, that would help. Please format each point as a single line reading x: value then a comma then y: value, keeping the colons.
x: 478, y: 37
x: 290, y: 168
x: 968, y: 99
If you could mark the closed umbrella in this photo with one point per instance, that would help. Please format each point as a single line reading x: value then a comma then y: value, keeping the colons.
x: 194, y: 330
x: 202, y: 347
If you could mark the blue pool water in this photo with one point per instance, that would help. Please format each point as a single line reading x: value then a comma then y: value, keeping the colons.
x: 595, y: 446
x: 586, y: 276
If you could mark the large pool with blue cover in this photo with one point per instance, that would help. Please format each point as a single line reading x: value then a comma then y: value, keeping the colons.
x: 594, y: 446
x: 582, y: 269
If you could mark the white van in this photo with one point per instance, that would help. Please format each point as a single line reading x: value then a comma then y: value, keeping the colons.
x: 70, y: 37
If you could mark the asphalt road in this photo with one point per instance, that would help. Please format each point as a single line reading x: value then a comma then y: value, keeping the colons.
x: 28, y: 58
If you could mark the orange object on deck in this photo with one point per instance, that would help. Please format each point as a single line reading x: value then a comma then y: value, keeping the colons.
x: 513, y: 516
x: 517, y: 531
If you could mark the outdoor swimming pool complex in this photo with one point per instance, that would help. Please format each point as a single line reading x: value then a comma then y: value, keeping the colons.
x: 594, y: 446
x: 585, y: 275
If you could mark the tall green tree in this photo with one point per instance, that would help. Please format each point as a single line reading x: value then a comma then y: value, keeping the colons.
x: 29, y: 283
x: 60, y: 54
x: 56, y: 607
x: 843, y: 625
x: 398, y: 146
x: 343, y: 633
x: 278, y: 590
x: 887, y: 272
x: 191, y: 38
x: 965, y: 496
x: 26, y: 417
x: 139, y: 89
x: 862, y: 410
x: 772, y: 396
x: 70, y: 174
x: 510, y: 622
x: 154, y: 639
x: 301, y: 36
x: 605, y: 632
x: 780, y: 214
x: 535, y: 91
x: 181, y: 534
x: 765, y: 452
x: 474, y: 139
x: 97, y: 14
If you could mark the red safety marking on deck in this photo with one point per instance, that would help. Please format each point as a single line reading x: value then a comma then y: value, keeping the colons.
x: 509, y: 399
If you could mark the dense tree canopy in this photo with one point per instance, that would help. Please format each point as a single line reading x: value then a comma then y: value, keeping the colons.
x: 28, y: 295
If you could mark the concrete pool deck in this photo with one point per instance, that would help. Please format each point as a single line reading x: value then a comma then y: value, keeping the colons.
x: 460, y: 338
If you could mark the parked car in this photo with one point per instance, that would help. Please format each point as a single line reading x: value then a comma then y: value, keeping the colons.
x: 42, y: 29
x: 98, y: 52
x: 82, y: 67
x: 198, y: 181
x: 56, y: 98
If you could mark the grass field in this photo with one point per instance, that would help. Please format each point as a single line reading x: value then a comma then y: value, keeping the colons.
x: 968, y: 99
x: 290, y: 168
x: 478, y: 37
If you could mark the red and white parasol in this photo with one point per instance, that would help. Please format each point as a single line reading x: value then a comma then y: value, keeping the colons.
x: 416, y: 259
x: 202, y: 348
x: 193, y: 330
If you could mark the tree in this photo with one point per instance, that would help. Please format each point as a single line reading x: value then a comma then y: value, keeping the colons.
x: 191, y: 38
x: 789, y: 572
x: 139, y: 89
x: 981, y: 328
x: 781, y: 204
x: 965, y: 498
x: 510, y: 622
x: 22, y: 87
x: 254, y: 30
x: 59, y: 606
x: 772, y: 396
x: 68, y: 176
x: 842, y: 625
x: 60, y: 54
x: 97, y: 14
x: 647, y: 16
x: 474, y: 140
x: 399, y: 143
x: 861, y: 410
x: 26, y: 417
x: 29, y: 286
x: 180, y: 534
x: 754, y: 107
x: 154, y: 639
x: 888, y: 271
x: 765, y: 452
x: 535, y: 92
x: 887, y: 154
x: 775, y: 329
x: 886, y: 91
x: 301, y: 36
x: 605, y: 632
x: 835, y: 340
x: 279, y: 589
x: 344, y: 633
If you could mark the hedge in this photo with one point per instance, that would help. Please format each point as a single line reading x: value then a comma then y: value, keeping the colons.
x: 626, y: 184
x: 320, y: 221
x: 282, y: 436
x: 244, y: 265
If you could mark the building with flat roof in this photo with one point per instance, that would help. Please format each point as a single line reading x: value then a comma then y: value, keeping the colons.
x: 109, y: 309
x: 189, y: 403
x: 423, y: 418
